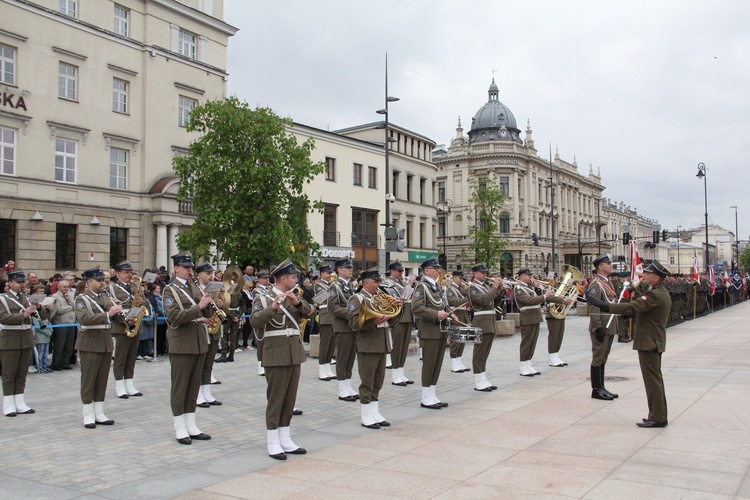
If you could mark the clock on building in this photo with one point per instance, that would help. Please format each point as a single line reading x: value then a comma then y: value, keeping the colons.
x: 503, y: 132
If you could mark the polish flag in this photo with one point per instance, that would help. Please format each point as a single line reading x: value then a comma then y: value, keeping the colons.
x: 712, y: 279
x: 696, y: 274
x: 636, y: 266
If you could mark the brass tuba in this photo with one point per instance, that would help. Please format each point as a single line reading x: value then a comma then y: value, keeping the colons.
x: 381, y: 304
x: 133, y: 329
x: 568, y: 289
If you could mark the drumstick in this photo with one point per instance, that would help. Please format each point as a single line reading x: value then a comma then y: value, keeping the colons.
x: 460, y: 323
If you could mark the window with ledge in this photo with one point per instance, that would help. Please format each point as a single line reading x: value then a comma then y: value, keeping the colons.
x: 441, y: 191
x: 69, y: 7
x: 505, y: 185
x: 330, y: 169
x: 65, y: 246
x: 185, y: 106
x: 119, y: 96
x: 330, y: 234
x: 421, y: 190
x: 7, y: 151
x: 187, y: 44
x: 394, y: 191
x: 422, y: 234
x: 118, y: 245
x: 118, y: 169
x: 67, y: 81
x: 372, y: 177
x: 7, y: 240
x: 66, y: 155
x: 504, y: 223
x: 409, y: 179
x: 121, y: 24
x: 7, y: 64
x: 357, y: 174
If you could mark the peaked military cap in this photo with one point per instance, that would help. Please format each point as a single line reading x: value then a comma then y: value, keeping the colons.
x: 395, y: 266
x: 658, y: 269
x: 459, y: 274
x: 123, y: 266
x: 371, y: 273
x: 480, y: 268
x: 343, y: 263
x: 204, y: 268
x: 184, y: 259
x: 604, y: 259
x: 286, y: 267
x: 17, y: 275
x: 325, y: 269
x: 95, y: 273
x: 430, y: 263
x: 525, y: 270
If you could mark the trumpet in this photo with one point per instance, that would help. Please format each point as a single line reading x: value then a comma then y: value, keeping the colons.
x: 219, y: 312
x: 36, y: 313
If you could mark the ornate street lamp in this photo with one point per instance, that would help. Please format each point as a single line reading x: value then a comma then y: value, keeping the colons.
x: 702, y: 175
x: 444, y: 208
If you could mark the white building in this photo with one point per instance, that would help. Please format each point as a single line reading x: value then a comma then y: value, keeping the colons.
x: 95, y: 98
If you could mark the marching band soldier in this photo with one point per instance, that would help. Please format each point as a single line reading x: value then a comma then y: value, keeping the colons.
x: 16, y: 343
x: 277, y: 315
x: 430, y: 308
x: 373, y: 343
x: 204, y: 275
x: 482, y: 299
x: 529, y: 304
x: 458, y: 297
x: 555, y: 333
x: 96, y: 314
x: 261, y: 288
x: 341, y: 292
x: 188, y: 313
x: 230, y: 327
x: 327, y: 345
x: 651, y: 311
x: 600, y: 289
x: 394, y: 286
x: 126, y: 348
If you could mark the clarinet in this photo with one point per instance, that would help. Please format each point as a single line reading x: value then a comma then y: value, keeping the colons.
x: 36, y: 313
x: 115, y: 302
x: 222, y: 315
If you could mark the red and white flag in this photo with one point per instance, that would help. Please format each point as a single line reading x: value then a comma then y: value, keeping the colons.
x: 636, y: 266
x: 727, y: 279
x: 696, y: 274
x: 711, y: 279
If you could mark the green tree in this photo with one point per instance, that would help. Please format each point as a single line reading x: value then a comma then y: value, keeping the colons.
x: 485, y: 206
x: 245, y: 178
x: 745, y: 259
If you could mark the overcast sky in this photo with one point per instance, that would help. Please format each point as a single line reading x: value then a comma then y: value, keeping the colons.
x: 644, y: 90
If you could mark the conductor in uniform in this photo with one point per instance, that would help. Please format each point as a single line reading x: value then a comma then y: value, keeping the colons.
x: 188, y: 312
x: 430, y: 308
x: 96, y: 314
x: 16, y: 343
x: 651, y: 311
x: 374, y: 342
x: 277, y: 314
x: 601, y: 290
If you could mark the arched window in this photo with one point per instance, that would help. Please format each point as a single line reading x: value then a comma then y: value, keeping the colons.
x: 504, y: 223
x: 458, y: 226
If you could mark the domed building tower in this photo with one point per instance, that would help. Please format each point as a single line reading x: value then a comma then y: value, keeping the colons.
x: 495, y: 150
x: 494, y: 121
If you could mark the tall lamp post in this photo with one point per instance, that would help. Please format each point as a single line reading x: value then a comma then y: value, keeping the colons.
x: 679, y: 237
x: 702, y: 175
x: 444, y: 208
x: 387, y: 146
x: 736, y: 238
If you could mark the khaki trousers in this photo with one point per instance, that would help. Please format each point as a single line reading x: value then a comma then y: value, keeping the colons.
x: 346, y: 348
x: 371, y: 366
x: 208, y: 363
x: 529, y: 335
x: 433, y: 352
x: 15, y: 363
x: 482, y: 352
x: 600, y: 350
x: 94, y: 375
x: 654, y: 383
x: 327, y: 344
x: 401, y: 334
x: 281, y: 395
x: 556, y: 329
x: 186, y: 371
x: 126, y: 350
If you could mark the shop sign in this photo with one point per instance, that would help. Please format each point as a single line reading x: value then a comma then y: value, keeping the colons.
x: 334, y: 253
x: 420, y: 256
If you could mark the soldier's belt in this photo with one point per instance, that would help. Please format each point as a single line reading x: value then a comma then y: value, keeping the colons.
x: 96, y: 327
x: 527, y: 308
x: 286, y: 332
x: 15, y: 327
x: 234, y: 308
x: 479, y: 313
x: 323, y: 306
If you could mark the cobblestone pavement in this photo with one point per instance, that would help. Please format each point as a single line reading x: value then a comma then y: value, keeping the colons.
x: 50, y: 454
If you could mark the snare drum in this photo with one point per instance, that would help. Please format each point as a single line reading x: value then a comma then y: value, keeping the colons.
x: 465, y: 334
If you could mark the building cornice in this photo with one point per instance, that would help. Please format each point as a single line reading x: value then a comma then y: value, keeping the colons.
x: 196, y: 15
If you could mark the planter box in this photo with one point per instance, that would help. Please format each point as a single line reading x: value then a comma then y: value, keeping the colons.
x: 505, y: 328
x: 582, y: 310
x: 515, y: 317
x: 314, y: 346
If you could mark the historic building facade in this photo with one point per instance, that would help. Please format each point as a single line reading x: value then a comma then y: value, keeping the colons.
x: 95, y: 99
x: 494, y: 146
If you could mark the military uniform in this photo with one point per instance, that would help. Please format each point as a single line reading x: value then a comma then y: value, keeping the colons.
x: 602, y: 336
x: 257, y: 292
x: 373, y: 344
x: 205, y: 398
x: 530, y: 306
x: 482, y: 298
x: 401, y: 331
x: 327, y: 345
x: 187, y: 336
x: 429, y: 299
x: 16, y: 347
x: 346, y: 349
x: 282, y: 356
x: 651, y: 311
x: 126, y: 348
x: 231, y: 327
x: 457, y: 296
x: 555, y: 333
x: 95, y: 346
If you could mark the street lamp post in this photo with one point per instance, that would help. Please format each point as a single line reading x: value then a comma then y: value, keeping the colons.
x: 444, y: 208
x: 679, y: 228
x: 702, y: 175
x: 387, y: 146
x: 736, y: 239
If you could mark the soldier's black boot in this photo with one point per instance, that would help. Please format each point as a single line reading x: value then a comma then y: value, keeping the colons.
x: 230, y: 357
x: 221, y: 359
x: 614, y: 396
x: 597, y: 391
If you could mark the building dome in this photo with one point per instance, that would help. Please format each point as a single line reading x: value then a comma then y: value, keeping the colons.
x: 494, y: 121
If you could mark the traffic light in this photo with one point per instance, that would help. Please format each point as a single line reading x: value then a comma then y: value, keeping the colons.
x: 626, y: 238
x: 535, y: 239
x: 664, y: 235
x: 656, y: 236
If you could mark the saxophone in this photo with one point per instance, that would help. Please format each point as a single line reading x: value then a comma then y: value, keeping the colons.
x: 215, y: 321
x: 133, y: 329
